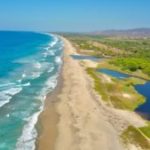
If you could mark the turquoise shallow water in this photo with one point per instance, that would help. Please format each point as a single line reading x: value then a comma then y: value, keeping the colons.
x: 29, y: 67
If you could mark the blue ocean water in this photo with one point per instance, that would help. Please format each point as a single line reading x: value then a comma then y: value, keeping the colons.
x: 29, y: 66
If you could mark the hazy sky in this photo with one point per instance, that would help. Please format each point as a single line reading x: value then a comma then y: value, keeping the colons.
x: 73, y: 15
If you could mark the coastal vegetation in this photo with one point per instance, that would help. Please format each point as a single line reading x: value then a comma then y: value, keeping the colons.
x: 134, y: 47
x: 130, y: 54
x: 133, y: 64
x: 137, y: 56
x: 117, y: 100
x: 146, y: 130
x: 126, y: 55
x: 134, y: 136
x: 137, y: 136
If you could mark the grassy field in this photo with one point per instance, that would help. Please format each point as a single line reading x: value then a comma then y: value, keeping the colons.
x: 115, y: 98
x: 146, y: 130
x: 135, y: 47
x: 132, y: 135
x: 133, y: 64
x: 137, y: 136
x: 129, y: 54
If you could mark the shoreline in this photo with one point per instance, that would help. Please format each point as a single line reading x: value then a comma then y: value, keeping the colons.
x: 78, y: 118
x: 48, y: 119
x: 81, y: 124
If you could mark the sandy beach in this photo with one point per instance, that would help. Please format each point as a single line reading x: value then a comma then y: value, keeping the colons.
x: 75, y: 117
x: 74, y: 75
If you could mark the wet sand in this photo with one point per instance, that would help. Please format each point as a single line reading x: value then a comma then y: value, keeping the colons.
x: 48, y: 120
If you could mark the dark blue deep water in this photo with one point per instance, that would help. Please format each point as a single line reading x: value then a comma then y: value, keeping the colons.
x: 29, y: 67
x: 145, y: 91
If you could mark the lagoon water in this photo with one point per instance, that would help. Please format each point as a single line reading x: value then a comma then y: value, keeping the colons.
x: 86, y: 57
x: 29, y: 67
x: 113, y: 73
x: 143, y: 89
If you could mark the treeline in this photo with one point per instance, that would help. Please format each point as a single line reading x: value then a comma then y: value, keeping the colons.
x: 129, y: 54
x: 133, y: 64
x: 134, y: 47
x: 125, y: 47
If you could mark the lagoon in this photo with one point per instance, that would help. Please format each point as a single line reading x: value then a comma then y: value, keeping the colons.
x: 143, y: 89
x: 113, y: 73
x: 86, y: 57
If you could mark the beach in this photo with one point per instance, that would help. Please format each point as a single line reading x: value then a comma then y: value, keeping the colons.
x: 75, y: 117
x: 74, y: 75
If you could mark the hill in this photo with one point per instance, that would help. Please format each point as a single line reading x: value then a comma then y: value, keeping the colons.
x: 140, y: 32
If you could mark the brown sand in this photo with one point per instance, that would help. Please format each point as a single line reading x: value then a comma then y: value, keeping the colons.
x: 48, y: 120
x: 80, y: 120
x: 81, y: 125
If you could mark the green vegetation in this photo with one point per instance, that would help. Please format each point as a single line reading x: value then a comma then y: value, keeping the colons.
x: 134, y: 136
x: 127, y: 53
x: 100, y: 88
x: 133, y: 64
x: 146, y: 130
x: 118, y: 100
x: 137, y: 55
x: 87, y: 43
x: 134, y: 47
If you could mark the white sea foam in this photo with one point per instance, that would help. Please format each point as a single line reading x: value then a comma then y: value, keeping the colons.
x: 12, y: 91
x: 29, y: 134
x: 31, y: 70
x: 23, y: 75
x: 37, y: 65
x: 38, y: 70
x: 58, y: 60
x: 51, y: 53
x: 52, y: 82
x: 51, y: 69
x: 19, y: 81
x: 6, y: 95
x: 46, y: 48
x: 45, y: 54
x: 7, y: 115
x: 28, y: 137
x: 35, y: 75
x: 5, y: 100
x: 55, y: 40
x: 7, y: 85
x: 27, y: 84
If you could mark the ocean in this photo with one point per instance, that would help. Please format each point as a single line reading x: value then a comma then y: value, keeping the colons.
x: 30, y: 63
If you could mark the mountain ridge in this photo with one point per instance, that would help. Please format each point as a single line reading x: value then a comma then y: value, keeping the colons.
x: 137, y: 32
